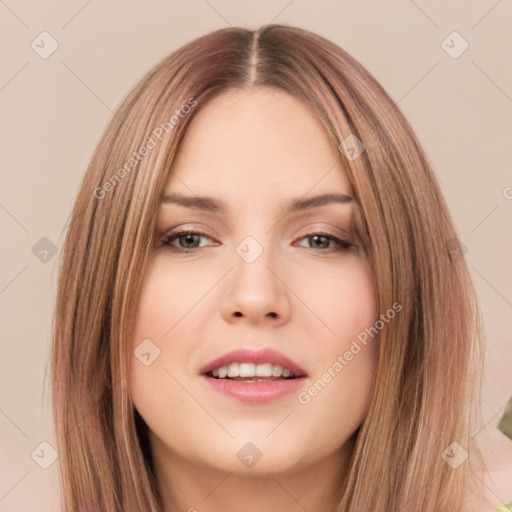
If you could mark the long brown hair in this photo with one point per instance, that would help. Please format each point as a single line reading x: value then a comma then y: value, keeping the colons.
x: 427, y: 383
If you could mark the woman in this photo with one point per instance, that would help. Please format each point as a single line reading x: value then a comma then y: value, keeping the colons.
x: 263, y: 301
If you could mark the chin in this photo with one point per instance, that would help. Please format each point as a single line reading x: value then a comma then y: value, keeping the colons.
x: 248, y: 455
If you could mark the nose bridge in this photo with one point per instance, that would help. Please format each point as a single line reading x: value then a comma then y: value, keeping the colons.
x: 255, y: 291
x: 252, y: 262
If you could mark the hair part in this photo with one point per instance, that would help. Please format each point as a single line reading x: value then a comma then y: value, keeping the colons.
x: 429, y: 370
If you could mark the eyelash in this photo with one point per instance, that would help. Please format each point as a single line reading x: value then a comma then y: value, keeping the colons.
x: 341, y: 245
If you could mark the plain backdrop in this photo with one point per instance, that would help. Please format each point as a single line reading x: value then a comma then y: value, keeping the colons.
x: 54, y: 108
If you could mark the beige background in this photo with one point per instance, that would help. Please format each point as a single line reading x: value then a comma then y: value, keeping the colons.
x: 54, y: 110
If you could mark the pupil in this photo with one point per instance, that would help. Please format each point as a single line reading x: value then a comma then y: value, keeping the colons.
x: 189, y: 238
x: 316, y: 237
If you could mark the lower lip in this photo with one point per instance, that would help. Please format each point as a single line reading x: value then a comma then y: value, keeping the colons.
x: 255, y: 392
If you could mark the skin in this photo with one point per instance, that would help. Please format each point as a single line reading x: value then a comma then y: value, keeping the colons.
x: 254, y: 150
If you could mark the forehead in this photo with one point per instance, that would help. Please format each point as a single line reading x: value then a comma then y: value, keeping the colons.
x: 256, y: 141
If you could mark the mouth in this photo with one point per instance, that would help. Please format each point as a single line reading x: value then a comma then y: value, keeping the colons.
x: 252, y: 376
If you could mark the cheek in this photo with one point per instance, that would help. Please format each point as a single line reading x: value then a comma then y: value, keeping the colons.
x: 345, y: 356
x: 343, y: 298
x: 163, y: 302
x: 170, y: 295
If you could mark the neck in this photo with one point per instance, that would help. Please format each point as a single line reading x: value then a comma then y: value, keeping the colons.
x: 190, y: 486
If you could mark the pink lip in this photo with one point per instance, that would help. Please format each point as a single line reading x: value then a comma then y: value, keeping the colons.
x: 255, y: 392
x: 245, y: 355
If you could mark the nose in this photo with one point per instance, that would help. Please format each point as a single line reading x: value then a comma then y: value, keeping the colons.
x: 256, y: 292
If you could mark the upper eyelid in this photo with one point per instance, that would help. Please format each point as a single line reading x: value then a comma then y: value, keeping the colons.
x: 199, y: 231
x: 343, y: 231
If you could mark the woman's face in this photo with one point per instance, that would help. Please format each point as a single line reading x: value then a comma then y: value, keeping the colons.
x: 262, y: 278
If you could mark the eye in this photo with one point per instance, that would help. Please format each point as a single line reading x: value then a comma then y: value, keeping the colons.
x: 322, y: 241
x: 187, y: 240
x: 190, y: 241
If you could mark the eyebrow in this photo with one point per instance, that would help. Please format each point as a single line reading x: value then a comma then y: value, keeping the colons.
x: 213, y: 205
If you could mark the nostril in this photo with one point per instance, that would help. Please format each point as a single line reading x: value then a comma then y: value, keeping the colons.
x: 238, y: 313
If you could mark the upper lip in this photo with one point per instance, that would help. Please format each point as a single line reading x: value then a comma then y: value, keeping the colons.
x: 246, y: 355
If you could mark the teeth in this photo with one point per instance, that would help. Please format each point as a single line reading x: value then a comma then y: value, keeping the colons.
x: 234, y: 370
x: 277, y: 370
x: 264, y: 370
x: 251, y: 370
x: 246, y: 369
